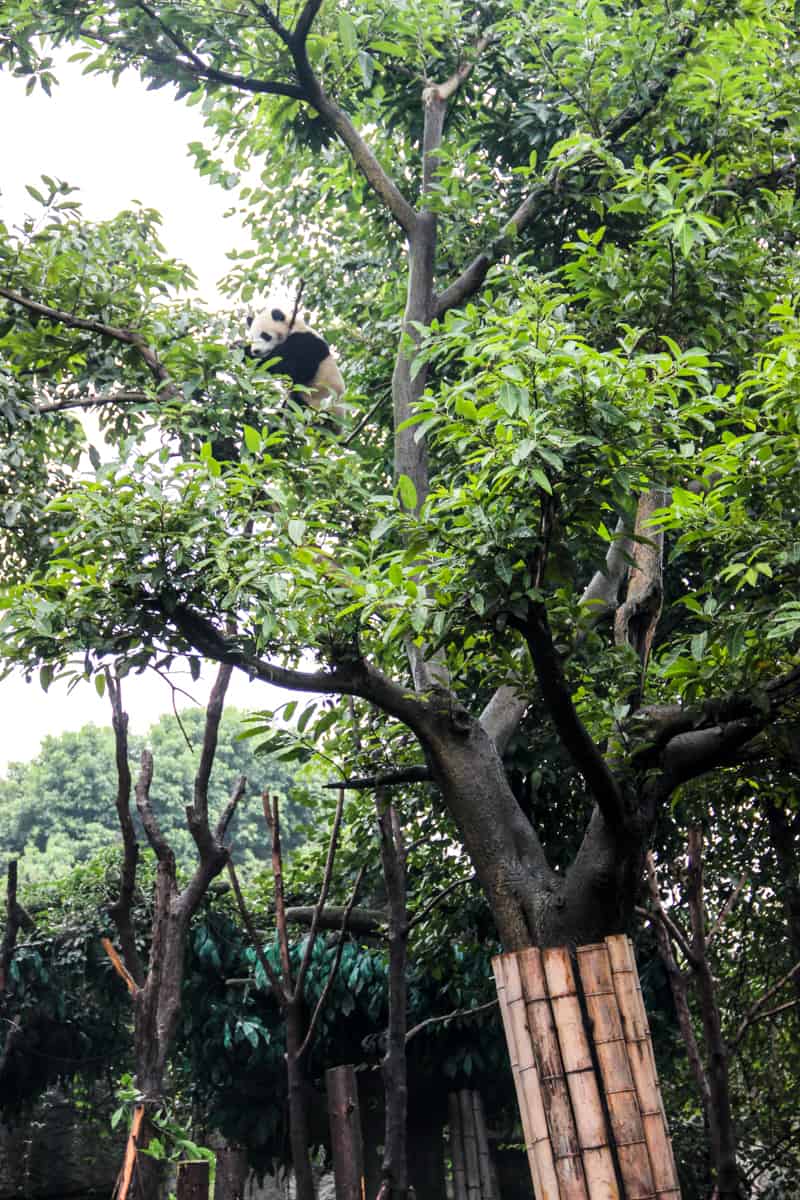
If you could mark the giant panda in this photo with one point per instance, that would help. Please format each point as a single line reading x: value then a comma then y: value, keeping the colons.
x: 299, y: 353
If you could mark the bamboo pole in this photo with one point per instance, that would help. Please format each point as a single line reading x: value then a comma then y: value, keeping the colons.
x: 526, y: 1077
x: 543, y: 1039
x: 456, y: 1147
x: 470, y: 1143
x: 488, y: 1188
x: 643, y: 1068
x: 579, y: 1070
x: 603, y: 1012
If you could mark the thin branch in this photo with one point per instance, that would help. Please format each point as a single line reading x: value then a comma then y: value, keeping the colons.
x: 255, y: 940
x: 335, y: 965
x: 472, y: 277
x: 419, y: 917
x: 272, y: 818
x: 447, y: 89
x: 221, y: 831
x: 459, y: 1012
x: 12, y: 924
x: 121, y: 397
x: 119, y: 965
x: 323, y: 893
x: 754, y: 1012
x: 121, y: 910
x: 674, y: 930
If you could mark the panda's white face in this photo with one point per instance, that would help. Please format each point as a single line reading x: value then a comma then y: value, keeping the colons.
x: 266, y: 331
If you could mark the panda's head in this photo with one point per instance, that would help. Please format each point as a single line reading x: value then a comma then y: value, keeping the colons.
x: 268, y: 329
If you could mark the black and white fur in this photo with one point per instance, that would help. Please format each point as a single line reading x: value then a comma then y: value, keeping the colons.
x: 298, y: 352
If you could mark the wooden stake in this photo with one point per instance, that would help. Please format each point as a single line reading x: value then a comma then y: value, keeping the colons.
x: 643, y: 1068
x: 193, y: 1179
x: 129, y: 1162
x: 344, y: 1117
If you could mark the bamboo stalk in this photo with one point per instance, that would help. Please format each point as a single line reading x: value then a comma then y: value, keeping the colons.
x: 526, y: 1078
x: 623, y: 1106
x: 579, y: 1071
x: 643, y: 1069
x: 488, y: 1189
x: 457, y: 1147
x: 546, y: 1052
x: 471, y: 1164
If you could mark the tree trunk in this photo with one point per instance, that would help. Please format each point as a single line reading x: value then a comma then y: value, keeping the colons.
x: 783, y: 840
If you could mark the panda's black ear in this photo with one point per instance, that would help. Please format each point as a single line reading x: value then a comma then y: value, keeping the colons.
x: 248, y: 321
x: 278, y: 315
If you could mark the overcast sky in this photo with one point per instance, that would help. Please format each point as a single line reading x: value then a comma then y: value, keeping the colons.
x: 117, y: 145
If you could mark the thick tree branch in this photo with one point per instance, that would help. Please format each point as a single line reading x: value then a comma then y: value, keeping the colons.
x: 601, y: 593
x: 356, y: 678
x: 653, y: 91
x: 149, y: 820
x: 383, y: 779
x: 366, y: 922
x: 503, y: 713
x: 569, y: 727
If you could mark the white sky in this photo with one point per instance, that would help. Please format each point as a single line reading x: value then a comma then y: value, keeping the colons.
x: 116, y: 145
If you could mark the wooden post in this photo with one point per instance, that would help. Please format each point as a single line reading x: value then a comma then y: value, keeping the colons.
x: 193, y: 1178
x: 470, y: 1141
x: 345, y: 1124
x: 231, y: 1173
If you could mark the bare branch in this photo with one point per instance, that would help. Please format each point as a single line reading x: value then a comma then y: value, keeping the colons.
x: 221, y: 831
x: 149, y: 820
x: 449, y: 88
x: 11, y: 930
x: 197, y: 814
x: 364, y: 921
x: 653, y: 91
x: 272, y: 818
x: 119, y: 966
x: 121, y: 910
x: 755, y: 1012
x: 453, y: 1016
x: 255, y: 940
x: 323, y: 894
x: 346, y: 918
x: 600, y: 594
x: 121, y: 397
x: 727, y: 908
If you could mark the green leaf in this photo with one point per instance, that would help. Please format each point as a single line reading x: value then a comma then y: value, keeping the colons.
x: 348, y: 35
x: 408, y: 492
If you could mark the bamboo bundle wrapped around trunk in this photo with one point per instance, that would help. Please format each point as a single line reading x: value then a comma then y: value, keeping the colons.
x: 639, y: 1046
x: 585, y: 1075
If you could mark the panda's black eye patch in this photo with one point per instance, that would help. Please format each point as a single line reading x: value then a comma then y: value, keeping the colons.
x: 266, y: 337
x: 277, y: 315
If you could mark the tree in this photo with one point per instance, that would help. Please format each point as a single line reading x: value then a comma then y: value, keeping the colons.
x: 592, y: 213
